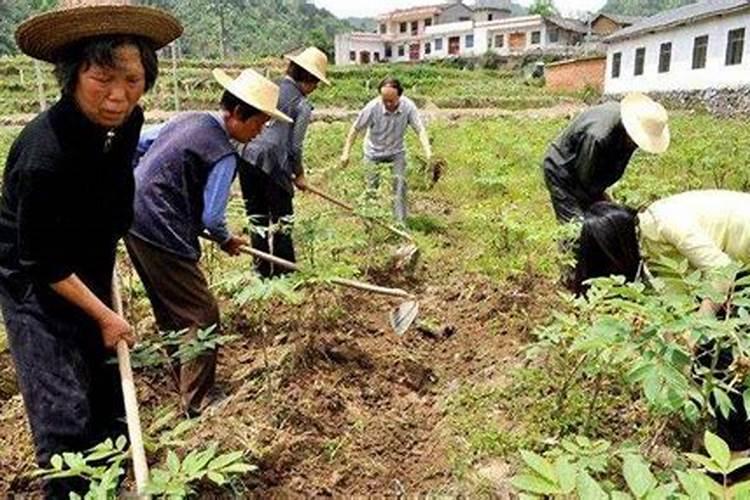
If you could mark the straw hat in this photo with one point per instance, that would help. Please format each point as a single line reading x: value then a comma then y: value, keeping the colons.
x: 314, y: 61
x: 44, y: 36
x: 254, y: 89
x: 646, y: 122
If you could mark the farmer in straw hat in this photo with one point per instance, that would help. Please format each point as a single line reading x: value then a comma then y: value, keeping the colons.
x: 593, y: 152
x: 273, y: 165
x: 386, y: 119
x: 67, y: 199
x: 183, y: 186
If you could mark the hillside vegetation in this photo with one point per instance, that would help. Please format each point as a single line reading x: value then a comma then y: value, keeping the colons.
x: 218, y: 28
x: 642, y: 8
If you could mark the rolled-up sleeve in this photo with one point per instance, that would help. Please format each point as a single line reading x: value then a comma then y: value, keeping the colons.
x: 299, y: 131
x: 41, y: 238
x: 415, y: 120
x: 364, y: 117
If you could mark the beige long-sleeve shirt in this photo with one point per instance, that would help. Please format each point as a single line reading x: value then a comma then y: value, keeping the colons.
x: 710, y: 228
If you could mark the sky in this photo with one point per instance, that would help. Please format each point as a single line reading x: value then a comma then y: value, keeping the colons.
x: 369, y: 8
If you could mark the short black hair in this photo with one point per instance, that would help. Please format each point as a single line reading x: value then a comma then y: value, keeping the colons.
x: 608, y: 245
x: 232, y: 103
x: 391, y: 82
x: 101, y: 51
x: 300, y: 74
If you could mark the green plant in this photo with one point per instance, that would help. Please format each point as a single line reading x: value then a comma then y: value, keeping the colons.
x: 651, y: 336
x: 161, y: 350
x: 101, y: 466
x: 569, y: 477
x: 177, y: 480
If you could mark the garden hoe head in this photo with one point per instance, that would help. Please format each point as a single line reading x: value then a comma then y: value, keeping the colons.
x: 403, y: 317
x: 406, y: 257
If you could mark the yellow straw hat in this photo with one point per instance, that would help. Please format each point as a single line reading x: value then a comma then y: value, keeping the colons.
x: 46, y: 35
x: 647, y: 123
x: 314, y: 61
x: 254, y: 89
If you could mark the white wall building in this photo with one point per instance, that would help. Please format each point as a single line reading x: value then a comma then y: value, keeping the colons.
x: 454, y: 29
x: 696, y: 47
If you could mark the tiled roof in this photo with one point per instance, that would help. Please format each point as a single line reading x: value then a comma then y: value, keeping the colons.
x: 568, y: 24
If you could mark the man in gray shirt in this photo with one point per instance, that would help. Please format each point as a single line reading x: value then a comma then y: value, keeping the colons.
x: 386, y: 119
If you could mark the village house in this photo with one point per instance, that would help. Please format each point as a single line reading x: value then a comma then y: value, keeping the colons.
x: 696, y: 47
x: 604, y: 24
x: 455, y: 29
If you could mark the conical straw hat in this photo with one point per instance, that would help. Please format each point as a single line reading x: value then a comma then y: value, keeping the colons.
x: 314, y: 61
x: 46, y: 35
x: 647, y: 122
x: 254, y: 89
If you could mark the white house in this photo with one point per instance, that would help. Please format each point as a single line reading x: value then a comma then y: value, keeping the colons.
x: 454, y: 29
x: 510, y: 36
x: 696, y: 47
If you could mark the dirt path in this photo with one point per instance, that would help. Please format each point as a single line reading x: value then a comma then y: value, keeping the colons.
x: 335, y: 115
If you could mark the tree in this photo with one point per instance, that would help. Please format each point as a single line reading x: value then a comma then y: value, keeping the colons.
x: 544, y: 8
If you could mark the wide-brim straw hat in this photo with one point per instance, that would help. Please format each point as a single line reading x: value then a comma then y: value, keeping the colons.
x: 314, y: 61
x: 647, y: 122
x: 45, y: 36
x: 254, y: 89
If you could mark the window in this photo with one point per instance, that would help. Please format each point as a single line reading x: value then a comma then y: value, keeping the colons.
x: 554, y: 35
x: 536, y: 37
x: 427, y: 48
x: 469, y: 41
x: 464, y: 18
x: 700, y: 52
x: 438, y: 44
x: 402, y: 27
x: 401, y: 51
x: 665, y: 57
x: 388, y: 51
x: 376, y: 56
x: 616, y: 64
x: 499, y: 41
x: 415, y: 28
x: 490, y: 17
x: 640, y: 61
x: 383, y: 29
x: 735, y: 46
x: 428, y: 22
x: 352, y: 56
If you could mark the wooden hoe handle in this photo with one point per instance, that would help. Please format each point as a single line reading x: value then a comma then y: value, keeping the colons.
x: 140, y: 465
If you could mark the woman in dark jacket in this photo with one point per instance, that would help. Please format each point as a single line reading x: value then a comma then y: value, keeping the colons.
x: 67, y: 199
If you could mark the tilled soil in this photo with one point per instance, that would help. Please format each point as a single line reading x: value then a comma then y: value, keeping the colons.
x: 329, y: 401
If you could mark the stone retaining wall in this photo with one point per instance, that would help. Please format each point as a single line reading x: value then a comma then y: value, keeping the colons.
x: 728, y: 102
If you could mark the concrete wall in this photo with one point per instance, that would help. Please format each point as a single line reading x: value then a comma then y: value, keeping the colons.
x: 454, y: 13
x: 681, y: 76
x: 345, y: 44
x: 576, y: 75
x: 445, y: 32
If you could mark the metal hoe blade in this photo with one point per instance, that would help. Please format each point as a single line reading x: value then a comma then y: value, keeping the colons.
x: 406, y: 257
x: 403, y: 317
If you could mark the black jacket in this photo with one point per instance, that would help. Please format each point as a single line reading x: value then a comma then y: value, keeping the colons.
x: 67, y: 198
